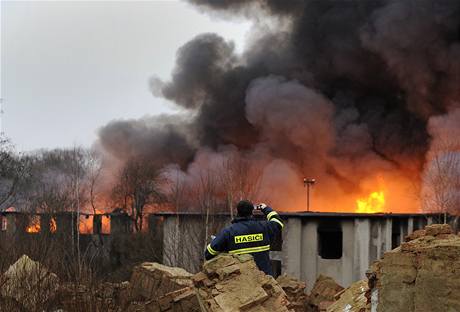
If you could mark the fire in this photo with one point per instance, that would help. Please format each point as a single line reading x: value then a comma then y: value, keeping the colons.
x: 374, y: 203
x: 53, y: 225
x: 86, y: 223
x: 34, y: 225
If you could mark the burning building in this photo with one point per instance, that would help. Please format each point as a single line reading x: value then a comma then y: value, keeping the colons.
x: 361, y: 96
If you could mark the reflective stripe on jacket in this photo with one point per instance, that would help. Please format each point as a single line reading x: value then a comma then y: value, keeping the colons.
x: 249, y: 236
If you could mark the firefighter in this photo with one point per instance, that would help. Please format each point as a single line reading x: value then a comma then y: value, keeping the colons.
x: 247, y: 235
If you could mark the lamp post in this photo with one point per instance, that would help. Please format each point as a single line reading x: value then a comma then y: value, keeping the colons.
x: 308, y: 182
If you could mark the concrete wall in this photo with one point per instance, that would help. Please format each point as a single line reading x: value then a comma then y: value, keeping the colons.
x: 364, y: 240
x: 183, y: 238
x: 186, y: 237
x: 65, y: 223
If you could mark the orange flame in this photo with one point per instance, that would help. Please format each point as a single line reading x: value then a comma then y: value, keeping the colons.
x: 374, y: 203
x: 105, y: 225
x: 86, y: 223
x: 53, y: 225
x: 34, y: 225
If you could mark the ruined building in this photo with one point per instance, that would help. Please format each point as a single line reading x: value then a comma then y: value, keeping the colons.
x: 339, y: 245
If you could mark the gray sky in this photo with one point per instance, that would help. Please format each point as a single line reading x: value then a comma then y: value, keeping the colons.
x: 70, y: 67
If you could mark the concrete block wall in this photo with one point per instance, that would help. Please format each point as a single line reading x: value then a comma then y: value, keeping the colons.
x: 15, y: 223
x: 120, y: 223
x: 66, y: 224
x: 364, y: 240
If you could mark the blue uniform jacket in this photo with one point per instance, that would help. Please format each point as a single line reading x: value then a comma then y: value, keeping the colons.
x: 249, y: 236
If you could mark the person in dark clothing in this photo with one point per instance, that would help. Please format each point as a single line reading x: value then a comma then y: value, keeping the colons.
x: 247, y: 235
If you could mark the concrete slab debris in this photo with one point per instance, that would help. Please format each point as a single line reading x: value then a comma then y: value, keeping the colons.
x: 421, y: 275
x: 152, y: 280
x: 295, y: 292
x: 323, y: 293
x: 29, y: 283
x: 230, y: 283
x: 352, y: 299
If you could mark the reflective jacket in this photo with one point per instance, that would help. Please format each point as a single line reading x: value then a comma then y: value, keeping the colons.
x: 249, y: 236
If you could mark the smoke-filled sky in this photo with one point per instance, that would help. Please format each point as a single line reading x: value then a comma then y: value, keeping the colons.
x: 349, y: 92
x: 363, y: 96
x: 68, y: 68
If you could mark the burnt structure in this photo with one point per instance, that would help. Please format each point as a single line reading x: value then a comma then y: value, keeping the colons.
x: 99, y: 237
x: 340, y: 245
x: 61, y: 223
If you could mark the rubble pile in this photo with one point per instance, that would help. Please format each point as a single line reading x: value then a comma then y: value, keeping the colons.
x: 28, y: 285
x: 156, y: 288
x: 230, y: 283
x: 113, y: 294
x: 295, y: 292
x: 227, y: 283
x: 323, y: 293
x: 152, y: 280
x: 352, y: 299
x: 106, y: 297
x: 182, y: 300
x: 421, y: 275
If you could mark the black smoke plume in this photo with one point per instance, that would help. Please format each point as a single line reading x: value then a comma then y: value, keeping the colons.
x: 338, y: 90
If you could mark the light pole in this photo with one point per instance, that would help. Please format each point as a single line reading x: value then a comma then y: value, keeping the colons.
x: 308, y: 182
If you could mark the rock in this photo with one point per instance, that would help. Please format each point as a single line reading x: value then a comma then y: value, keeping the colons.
x: 123, y: 294
x: 322, y: 307
x: 30, y: 284
x: 420, y: 276
x: 295, y: 292
x: 236, y: 284
x: 436, y: 229
x: 154, y: 280
x: 182, y: 300
x: 156, y: 288
x: 414, y: 235
x: 352, y: 299
x: 324, y: 290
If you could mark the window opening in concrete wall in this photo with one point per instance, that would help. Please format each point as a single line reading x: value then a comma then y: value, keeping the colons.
x: 416, y: 224
x: 276, y: 267
x: 395, y: 233
x: 105, y: 224
x: 419, y: 223
x: 330, y: 242
x: 53, y: 225
x: 85, y: 225
x: 4, y: 223
x: 34, y: 224
x: 423, y: 223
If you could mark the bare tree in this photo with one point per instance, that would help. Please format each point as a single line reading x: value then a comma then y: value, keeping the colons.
x: 211, y: 193
x: 441, y: 180
x: 56, y: 181
x: 94, y: 170
x: 177, y: 193
x: 12, y: 170
x: 240, y: 179
x: 138, y: 186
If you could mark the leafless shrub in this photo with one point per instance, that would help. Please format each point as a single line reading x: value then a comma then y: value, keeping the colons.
x: 138, y: 186
x: 441, y: 180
